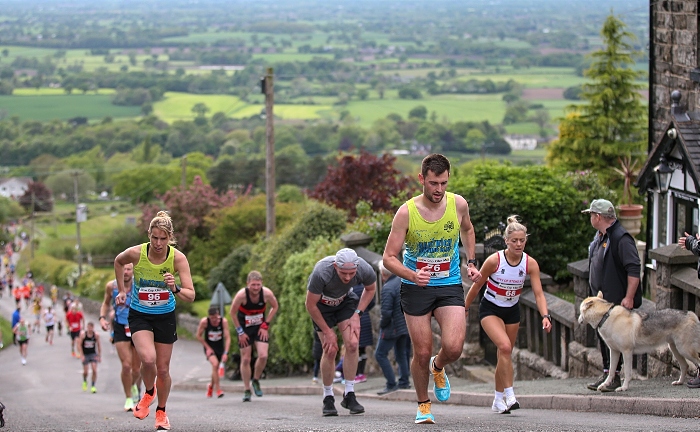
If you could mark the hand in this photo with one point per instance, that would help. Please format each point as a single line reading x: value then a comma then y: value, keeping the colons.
x: 262, y: 334
x: 422, y: 277
x: 546, y: 325
x: 627, y: 303
x: 330, y: 341
x: 224, y: 358
x: 681, y: 240
x: 473, y: 273
x: 169, y: 280
x: 104, y: 324
x: 209, y: 352
x: 243, y: 340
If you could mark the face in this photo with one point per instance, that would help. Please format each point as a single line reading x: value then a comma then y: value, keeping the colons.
x: 344, y: 274
x: 159, y: 240
x: 596, y: 220
x: 128, y: 274
x: 255, y: 285
x: 516, y: 242
x: 214, y: 318
x: 434, y: 186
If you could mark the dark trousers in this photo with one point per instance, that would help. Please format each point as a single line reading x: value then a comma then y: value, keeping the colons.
x: 402, y: 353
x: 605, y: 352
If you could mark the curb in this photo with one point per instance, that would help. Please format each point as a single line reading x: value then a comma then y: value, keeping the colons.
x: 683, y: 408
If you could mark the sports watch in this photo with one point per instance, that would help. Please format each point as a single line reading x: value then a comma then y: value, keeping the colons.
x: 472, y: 261
x: 359, y: 312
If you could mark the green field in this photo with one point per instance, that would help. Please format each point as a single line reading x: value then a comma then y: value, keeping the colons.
x: 62, y: 107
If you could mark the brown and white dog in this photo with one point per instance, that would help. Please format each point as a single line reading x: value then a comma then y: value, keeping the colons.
x: 631, y: 332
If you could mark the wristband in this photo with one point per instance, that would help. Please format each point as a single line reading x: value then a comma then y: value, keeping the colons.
x: 102, y: 317
x: 240, y: 331
x: 264, y: 325
x: 548, y: 316
x: 177, y: 289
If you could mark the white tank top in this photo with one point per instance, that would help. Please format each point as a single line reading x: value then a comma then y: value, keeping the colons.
x: 504, y: 286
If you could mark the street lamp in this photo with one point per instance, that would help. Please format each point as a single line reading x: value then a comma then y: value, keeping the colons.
x: 663, y: 174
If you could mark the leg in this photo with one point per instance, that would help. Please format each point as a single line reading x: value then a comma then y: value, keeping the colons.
x: 327, y: 363
x: 163, y: 381
x: 145, y: 346
x: 422, y: 339
x: 214, y: 362
x: 402, y: 356
x: 503, y: 336
x: 135, y: 367
x: 261, y: 348
x: 453, y: 327
x: 381, y: 355
x: 361, y: 360
x: 85, y: 374
x: 124, y: 353
x: 246, y: 354
x: 94, y: 372
x: 614, y: 359
x: 351, y: 344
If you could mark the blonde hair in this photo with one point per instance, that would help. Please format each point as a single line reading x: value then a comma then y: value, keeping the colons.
x: 254, y: 275
x: 513, y: 226
x: 162, y: 221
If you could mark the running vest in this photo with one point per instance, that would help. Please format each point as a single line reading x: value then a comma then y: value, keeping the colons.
x: 153, y: 296
x: 121, y: 312
x: 251, y: 314
x: 22, y: 333
x: 49, y: 318
x: 504, y: 286
x: 214, y: 335
x: 89, y: 343
x: 434, y: 244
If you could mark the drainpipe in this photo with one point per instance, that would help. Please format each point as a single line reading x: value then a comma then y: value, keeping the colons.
x: 650, y: 143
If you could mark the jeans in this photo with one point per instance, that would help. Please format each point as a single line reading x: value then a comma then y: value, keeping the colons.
x: 401, y: 346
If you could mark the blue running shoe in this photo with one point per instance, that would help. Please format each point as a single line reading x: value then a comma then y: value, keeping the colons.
x: 441, y: 386
x: 424, y: 416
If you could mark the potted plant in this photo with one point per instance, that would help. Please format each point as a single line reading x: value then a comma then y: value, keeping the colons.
x: 629, y: 213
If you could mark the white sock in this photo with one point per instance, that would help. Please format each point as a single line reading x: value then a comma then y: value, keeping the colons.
x: 499, y: 395
x: 327, y: 391
x: 508, y: 391
x: 349, y: 386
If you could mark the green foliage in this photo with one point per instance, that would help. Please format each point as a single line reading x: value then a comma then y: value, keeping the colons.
x: 613, y: 121
x: 230, y: 271
x: 119, y: 239
x: 546, y: 201
x: 375, y: 224
x: 92, y: 283
x: 269, y: 255
x: 292, y: 330
x: 290, y: 194
x: 201, y: 289
x: 9, y: 209
x: 55, y: 271
x: 6, y: 330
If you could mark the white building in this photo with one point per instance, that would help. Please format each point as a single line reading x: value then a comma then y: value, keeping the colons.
x: 14, y: 187
x: 521, y: 142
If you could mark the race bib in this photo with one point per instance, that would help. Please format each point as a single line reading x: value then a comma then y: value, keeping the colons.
x: 253, y: 320
x: 89, y: 344
x: 75, y: 326
x: 438, y: 267
x: 153, y: 296
x: 330, y: 301
x: 215, y: 336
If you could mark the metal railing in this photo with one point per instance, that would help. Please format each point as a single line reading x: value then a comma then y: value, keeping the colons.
x: 553, y: 347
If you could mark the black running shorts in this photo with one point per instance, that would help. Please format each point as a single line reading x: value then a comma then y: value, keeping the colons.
x: 509, y: 315
x: 162, y: 326
x: 119, y: 333
x: 336, y: 314
x: 253, y: 335
x: 419, y: 301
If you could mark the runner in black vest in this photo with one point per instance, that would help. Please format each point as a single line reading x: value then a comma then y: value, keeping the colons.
x: 90, y: 350
x: 214, y: 335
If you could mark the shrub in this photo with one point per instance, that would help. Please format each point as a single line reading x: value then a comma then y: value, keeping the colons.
x: 230, y: 270
x: 118, y: 240
x: 375, y: 224
x: 201, y: 289
x: 92, y: 283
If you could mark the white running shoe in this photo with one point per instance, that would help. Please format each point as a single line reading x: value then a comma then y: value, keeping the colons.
x: 499, y: 406
x: 512, y: 403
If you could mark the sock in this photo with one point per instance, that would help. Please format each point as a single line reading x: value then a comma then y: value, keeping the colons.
x: 160, y: 409
x: 435, y: 368
x: 349, y: 386
x: 150, y: 392
x: 498, y: 395
x: 327, y: 391
x: 426, y: 401
x: 606, y: 371
x: 93, y: 383
x: 508, y: 391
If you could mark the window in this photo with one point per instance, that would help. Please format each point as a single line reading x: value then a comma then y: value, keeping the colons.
x: 686, y: 217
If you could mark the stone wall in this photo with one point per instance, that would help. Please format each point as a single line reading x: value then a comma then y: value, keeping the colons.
x: 674, y: 54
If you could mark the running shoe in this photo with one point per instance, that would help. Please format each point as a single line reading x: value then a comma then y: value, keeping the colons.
x: 314, y: 380
x: 219, y: 393
x: 135, y: 396
x: 360, y: 378
x: 329, y: 407
x: 512, y: 403
x: 210, y: 390
x: 246, y: 396
x: 441, y: 386
x: 24, y: 361
x: 84, y: 385
x: 129, y: 405
x: 142, y: 408
x: 423, y: 415
x: 162, y: 422
x: 499, y: 406
x: 350, y: 402
x: 93, y: 389
x: 256, y: 388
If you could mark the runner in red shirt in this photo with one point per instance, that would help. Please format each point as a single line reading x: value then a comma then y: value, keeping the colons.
x: 75, y: 322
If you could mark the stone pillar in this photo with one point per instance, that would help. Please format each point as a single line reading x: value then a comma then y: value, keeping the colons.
x: 669, y: 259
x: 583, y: 333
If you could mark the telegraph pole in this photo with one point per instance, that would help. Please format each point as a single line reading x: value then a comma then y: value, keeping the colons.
x: 183, y: 178
x: 31, y: 238
x: 268, y: 90
x: 77, y: 222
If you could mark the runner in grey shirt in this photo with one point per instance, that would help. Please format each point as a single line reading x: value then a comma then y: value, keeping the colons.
x: 331, y: 302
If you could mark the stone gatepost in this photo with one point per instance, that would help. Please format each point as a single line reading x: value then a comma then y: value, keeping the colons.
x: 670, y: 259
x: 583, y: 333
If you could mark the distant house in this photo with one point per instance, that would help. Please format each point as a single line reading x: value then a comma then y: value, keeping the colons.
x: 14, y: 187
x: 521, y: 142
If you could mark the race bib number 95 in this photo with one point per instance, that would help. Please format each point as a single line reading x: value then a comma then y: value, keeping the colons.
x: 438, y: 267
x: 153, y: 296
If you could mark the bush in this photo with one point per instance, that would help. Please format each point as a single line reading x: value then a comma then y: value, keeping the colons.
x: 92, y: 283
x: 201, y: 289
x: 230, y: 270
x: 375, y: 224
x: 547, y: 202
x: 118, y: 240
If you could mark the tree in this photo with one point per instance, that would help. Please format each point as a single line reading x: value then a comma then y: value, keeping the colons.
x: 200, y: 109
x: 379, y: 183
x: 613, y: 121
x: 43, y: 200
x: 142, y: 183
x: 419, y: 112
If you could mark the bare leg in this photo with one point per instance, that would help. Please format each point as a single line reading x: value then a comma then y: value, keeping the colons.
x: 327, y: 363
x: 422, y: 339
x: 261, y: 362
x: 163, y: 381
x: 351, y: 344
x: 503, y: 336
x: 246, y: 355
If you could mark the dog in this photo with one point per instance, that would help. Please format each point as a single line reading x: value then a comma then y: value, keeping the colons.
x: 632, y: 332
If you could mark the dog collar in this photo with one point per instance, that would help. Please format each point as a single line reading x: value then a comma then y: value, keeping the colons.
x: 605, y: 317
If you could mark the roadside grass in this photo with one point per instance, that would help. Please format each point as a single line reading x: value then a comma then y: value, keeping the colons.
x: 6, y: 328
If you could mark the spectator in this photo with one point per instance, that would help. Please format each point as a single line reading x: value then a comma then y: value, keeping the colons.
x: 15, y: 319
x: 366, y: 336
x: 692, y: 244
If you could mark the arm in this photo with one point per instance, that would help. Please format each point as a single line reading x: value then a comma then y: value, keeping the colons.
x: 632, y: 266
x: 367, y: 297
x: 227, y: 341
x: 330, y: 340
x: 106, y: 304
x: 235, y: 304
x: 466, y: 234
x: 200, y: 337
x: 129, y: 256
x: 80, y: 345
x: 536, y: 283
x: 487, y: 269
x: 182, y: 268
x: 274, y: 305
x: 99, y: 346
x: 392, y: 251
x: 689, y: 242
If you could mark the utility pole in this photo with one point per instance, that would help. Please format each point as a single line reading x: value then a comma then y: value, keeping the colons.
x: 31, y: 236
x: 268, y: 90
x: 183, y: 179
x: 77, y: 222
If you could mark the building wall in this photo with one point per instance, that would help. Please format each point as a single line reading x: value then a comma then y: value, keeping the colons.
x: 675, y: 54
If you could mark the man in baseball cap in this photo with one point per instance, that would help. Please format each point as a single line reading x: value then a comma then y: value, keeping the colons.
x: 601, y: 207
x: 346, y: 258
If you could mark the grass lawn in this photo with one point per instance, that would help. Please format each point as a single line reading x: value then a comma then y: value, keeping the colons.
x: 46, y: 107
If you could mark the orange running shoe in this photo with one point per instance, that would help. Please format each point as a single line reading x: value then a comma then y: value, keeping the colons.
x: 162, y: 422
x: 210, y: 390
x: 220, y: 393
x: 142, y: 408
